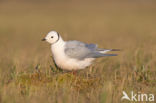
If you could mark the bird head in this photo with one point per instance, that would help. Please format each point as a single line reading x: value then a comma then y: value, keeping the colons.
x: 52, y: 37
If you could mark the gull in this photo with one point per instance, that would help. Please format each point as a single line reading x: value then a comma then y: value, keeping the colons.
x: 74, y: 55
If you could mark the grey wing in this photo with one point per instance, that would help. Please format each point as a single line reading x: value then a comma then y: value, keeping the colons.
x: 91, y: 46
x: 80, y: 50
x: 77, y: 50
x: 98, y: 54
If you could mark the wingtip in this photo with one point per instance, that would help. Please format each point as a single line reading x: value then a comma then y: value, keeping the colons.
x: 114, y: 55
x: 111, y: 55
x: 116, y: 50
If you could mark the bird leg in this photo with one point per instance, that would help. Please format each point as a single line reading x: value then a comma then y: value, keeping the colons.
x: 73, y: 72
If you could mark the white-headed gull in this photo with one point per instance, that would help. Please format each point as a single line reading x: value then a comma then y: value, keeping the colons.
x: 73, y: 55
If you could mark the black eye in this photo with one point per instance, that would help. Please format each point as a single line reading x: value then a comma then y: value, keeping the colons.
x: 52, y: 37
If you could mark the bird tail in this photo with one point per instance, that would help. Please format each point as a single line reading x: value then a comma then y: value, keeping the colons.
x: 108, y: 54
x: 103, y: 51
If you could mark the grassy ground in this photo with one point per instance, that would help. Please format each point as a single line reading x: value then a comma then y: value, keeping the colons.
x: 27, y: 72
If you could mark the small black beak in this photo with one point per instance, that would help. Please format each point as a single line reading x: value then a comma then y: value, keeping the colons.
x: 43, y: 39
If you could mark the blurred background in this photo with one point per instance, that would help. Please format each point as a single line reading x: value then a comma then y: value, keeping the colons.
x: 129, y: 25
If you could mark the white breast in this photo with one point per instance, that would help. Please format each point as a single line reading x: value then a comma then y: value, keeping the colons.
x: 66, y: 63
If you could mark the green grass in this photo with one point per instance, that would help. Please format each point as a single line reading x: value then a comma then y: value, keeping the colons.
x: 27, y: 71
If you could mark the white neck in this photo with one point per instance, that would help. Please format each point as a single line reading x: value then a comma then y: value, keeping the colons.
x: 58, y: 46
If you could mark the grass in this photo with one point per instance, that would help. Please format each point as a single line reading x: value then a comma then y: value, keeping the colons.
x: 27, y: 71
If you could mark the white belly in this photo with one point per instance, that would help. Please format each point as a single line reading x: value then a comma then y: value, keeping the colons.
x: 72, y: 64
x: 66, y: 63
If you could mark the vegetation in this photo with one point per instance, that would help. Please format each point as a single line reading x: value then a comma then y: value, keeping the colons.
x: 27, y: 71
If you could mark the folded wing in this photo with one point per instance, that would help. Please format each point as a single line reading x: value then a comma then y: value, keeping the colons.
x: 80, y: 50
